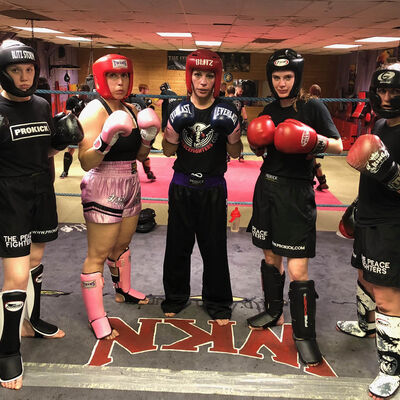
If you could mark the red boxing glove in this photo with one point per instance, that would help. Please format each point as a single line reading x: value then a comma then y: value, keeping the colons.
x: 260, y: 132
x: 295, y: 137
x: 348, y: 220
x: 370, y: 156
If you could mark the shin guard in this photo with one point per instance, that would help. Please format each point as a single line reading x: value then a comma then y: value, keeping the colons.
x: 388, y: 346
x: 122, y: 281
x: 302, y: 296
x: 40, y: 327
x: 361, y: 328
x: 12, y: 306
x: 272, y: 283
x: 67, y: 162
x: 92, y: 292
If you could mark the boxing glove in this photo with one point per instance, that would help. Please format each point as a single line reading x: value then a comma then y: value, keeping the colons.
x: 180, y: 118
x: 260, y: 132
x: 119, y: 123
x: 295, y: 137
x: 348, y: 220
x: 370, y: 156
x: 67, y: 131
x: 149, y: 125
x: 224, y: 119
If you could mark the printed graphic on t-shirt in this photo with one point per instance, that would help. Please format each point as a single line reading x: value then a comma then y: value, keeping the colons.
x: 29, y: 130
x: 198, y: 138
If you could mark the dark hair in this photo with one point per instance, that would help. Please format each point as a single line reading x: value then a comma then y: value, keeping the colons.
x: 84, y: 88
x: 230, y: 90
x: 315, y: 90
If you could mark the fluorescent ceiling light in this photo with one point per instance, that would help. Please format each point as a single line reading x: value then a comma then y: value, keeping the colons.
x: 379, y: 39
x: 342, y: 46
x: 110, y: 47
x: 36, y: 30
x: 75, y: 38
x: 207, y: 43
x: 172, y: 34
x: 187, y: 49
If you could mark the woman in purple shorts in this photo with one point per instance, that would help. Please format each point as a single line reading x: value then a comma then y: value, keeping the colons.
x: 114, y: 138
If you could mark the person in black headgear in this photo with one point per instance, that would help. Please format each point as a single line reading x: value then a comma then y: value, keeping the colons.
x: 75, y: 104
x: 376, y: 252
x: 28, y: 217
x: 284, y: 210
x: 164, y: 103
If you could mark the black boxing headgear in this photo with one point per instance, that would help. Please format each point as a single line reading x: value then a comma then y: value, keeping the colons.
x: 14, y: 52
x: 286, y: 60
x: 165, y: 86
x: 385, y: 78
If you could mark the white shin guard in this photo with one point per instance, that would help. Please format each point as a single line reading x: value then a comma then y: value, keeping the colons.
x: 360, y: 328
x: 388, y: 346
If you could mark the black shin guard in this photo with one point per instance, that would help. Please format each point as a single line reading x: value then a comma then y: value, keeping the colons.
x: 302, y: 296
x: 67, y: 161
x: 40, y: 327
x: 12, y: 306
x: 272, y: 283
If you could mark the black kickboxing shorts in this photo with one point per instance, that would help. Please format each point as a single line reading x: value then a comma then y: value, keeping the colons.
x: 376, y: 251
x: 28, y: 213
x: 284, y: 216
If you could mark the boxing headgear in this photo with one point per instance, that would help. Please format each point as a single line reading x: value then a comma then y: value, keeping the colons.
x: 204, y: 60
x: 14, y: 52
x: 146, y: 220
x: 286, y: 60
x: 111, y: 63
x: 385, y: 78
x: 165, y: 86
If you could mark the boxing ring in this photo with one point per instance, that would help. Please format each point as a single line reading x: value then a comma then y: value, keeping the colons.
x: 190, y: 357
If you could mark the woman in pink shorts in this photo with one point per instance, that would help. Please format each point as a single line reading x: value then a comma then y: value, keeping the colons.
x: 114, y: 138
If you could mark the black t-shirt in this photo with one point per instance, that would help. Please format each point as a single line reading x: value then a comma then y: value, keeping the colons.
x: 377, y: 204
x: 201, y: 149
x: 165, y: 106
x: 297, y: 166
x: 25, y: 143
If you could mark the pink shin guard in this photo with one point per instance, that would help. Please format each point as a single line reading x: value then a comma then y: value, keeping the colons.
x: 122, y: 281
x: 92, y: 292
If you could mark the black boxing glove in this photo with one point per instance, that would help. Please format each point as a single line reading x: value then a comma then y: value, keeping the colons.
x: 67, y: 131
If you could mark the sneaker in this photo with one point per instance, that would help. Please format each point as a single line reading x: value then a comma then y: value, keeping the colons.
x: 151, y: 176
x: 64, y: 175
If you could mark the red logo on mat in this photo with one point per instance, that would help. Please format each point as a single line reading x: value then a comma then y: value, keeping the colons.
x: 220, y: 339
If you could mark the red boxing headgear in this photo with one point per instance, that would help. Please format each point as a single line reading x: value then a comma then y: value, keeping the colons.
x: 204, y: 60
x: 111, y: 63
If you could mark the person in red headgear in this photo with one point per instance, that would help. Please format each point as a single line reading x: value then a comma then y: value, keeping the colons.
x: 115, y: 136
x: 200, y: 130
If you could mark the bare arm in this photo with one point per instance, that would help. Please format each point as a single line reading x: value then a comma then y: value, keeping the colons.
x: 169, y: 149
x: 234, y: 149
x: 335, y: 146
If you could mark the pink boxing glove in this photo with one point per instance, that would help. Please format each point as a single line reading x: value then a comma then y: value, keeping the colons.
x: 149, y: 125
x: 119, y: 123
x: 295, y: 137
